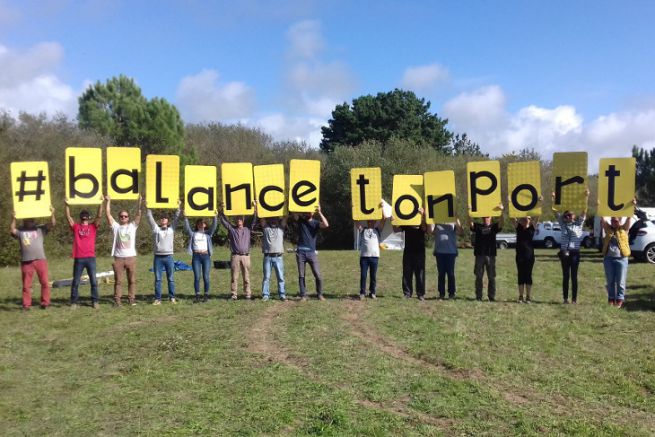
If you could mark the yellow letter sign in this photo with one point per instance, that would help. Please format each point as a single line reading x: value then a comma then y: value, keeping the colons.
x: 407, y: 199
x: 616, y: 187
x: 30, y: 187
x: 524, y: 188
x: 162, y: 181
x: 366, y: 193
x: 84, y: 175
x: 123, y: 168
x: 483, y: 180
x: 270, y: 190
x: 304, y: 185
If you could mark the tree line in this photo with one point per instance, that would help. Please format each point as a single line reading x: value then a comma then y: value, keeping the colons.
x: 393, y: 130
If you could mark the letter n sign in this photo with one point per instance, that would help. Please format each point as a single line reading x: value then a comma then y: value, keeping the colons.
x: 84, y: 175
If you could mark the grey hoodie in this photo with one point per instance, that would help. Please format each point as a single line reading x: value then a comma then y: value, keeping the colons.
x: 163, y: 238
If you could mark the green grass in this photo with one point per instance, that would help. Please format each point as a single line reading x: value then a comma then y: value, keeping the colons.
x: 340, y: 367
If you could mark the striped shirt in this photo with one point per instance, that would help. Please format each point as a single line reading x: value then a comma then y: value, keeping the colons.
x: 571, y: 237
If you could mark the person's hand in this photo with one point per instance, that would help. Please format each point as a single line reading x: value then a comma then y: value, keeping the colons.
x: 501, y: 206
x: 223, y: 206
x: 421, y: 211
x: 552, y: 195
x: 13, y: 214
x: 52, y: 210
x: 66, y: 201
x: 107, y: 198
x: 541, y: 198
x: 587, y: 192
x: 318, y: 208
x: 215, y: 212
x: 145, y: 202
x: 597, y: 202
x: 179, y: 203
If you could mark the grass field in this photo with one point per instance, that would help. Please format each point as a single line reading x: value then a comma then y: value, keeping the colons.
x: 340, y: 367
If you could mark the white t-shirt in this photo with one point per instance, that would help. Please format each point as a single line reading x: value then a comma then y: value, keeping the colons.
x: 199, y: 242
x: 369, y: 242
x: 124, y: 240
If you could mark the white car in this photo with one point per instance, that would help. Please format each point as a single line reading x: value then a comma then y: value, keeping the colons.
x: 548, y: 234
x: 642, y: 240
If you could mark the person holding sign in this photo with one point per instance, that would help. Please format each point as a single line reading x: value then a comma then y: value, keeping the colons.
x: 201, y: 248
x: 485, y: 252
x: 414, y: 257
x: 525, y: 230
x: 369, y: 254
x: 616, y: 250
x: 445, y: 254
x: 239, y: 238
x: 30, y: 237
x: 569, y: 253
x: 308, y: 228
x: 164, y: 243
x: 123, y: 249
x: 273, y: 250
x: 84, y: 252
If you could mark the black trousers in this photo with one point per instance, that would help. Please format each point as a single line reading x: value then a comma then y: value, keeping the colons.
x: 524, y: 265
x: 570, y: 270
x: 414, y: 267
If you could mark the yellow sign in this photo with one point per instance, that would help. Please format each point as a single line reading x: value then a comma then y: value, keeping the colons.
x: 483, y: 181
x: 570, y: 177
x: 366, y: 193
x: 270, y: 190
x: 440, y: 196
x: 407, y: 199
x: 200, y: 188
x: 162, y: 181
x: 304, y: 185
x: 123, y: 168
x: 30, y: 187
x: 84, y: 176
x: 616, y: 187
x: 237, y: 188
x: 524, y: 188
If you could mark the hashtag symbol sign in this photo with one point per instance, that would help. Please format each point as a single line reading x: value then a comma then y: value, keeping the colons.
x: 23, y: 179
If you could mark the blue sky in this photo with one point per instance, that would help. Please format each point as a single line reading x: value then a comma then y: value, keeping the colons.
x: 555, y: 75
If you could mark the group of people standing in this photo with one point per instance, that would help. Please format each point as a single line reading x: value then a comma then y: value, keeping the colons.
x: 615, y: 250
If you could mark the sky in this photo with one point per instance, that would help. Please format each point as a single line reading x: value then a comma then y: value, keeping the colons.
x: 549, y: 75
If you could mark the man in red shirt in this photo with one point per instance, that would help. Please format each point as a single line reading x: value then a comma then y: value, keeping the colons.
x: 84, y: 252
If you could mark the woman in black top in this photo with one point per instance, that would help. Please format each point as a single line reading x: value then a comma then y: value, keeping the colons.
x: 525, y: 230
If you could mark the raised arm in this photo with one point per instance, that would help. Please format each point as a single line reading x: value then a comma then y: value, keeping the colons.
x: 214, y: 225
x: 604, y: 224
x: 424, y: 226
x: 176, y: 217
x: 12, y: 226
x: 586, y: 203
x: 71, y: 222
x: 53, y: 219
x: 324, y: 223
x: 151, y: 219
x: 224, y: 221
x: 501, y: 219
x: 187, y: 227
x: 381, y: 223
x: 469, y: 219
x: 137, y: 217
x: 628, y: 221
x: 98, y: 218
x: 458, y: 227
x: 110, y: 219
x: 253, y: 222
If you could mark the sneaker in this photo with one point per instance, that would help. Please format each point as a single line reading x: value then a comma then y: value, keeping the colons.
x: 44, y: 307
x: 133, y: 303
x: 407, y: 296
x: 248, y: 297
x: 303, y: 298
x: 492, y: 299
x: 157, y: 302
x: 233, y: 297
x: 372, y: 296
x: 620, y: 304
x: 362, y: 296
x: 421, y: 298
x: 265, y: 298
x: 74, y: 306
x: 283, y: 298
x: 451, y: 296
x: 565, y: 301
x: 574, y: 302
x: 173, y: 301
x: 96, y: 306
x: 479, y: 299
x: 205, y: 299
x: 611, y: 301
x: 321, y: 297
x: 27, y: 308
x: 521, y: 299
x: 196, y: 299
x: 117, y: 304
x: 528, y: 300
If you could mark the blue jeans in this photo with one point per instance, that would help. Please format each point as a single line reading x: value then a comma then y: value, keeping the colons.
x: 366, y: 263
x: 165, y: 261
x: 616, y: 270
x: 277, y: 263
x: 446, y: 267
x: 79, y: 264
x: 201, y: 263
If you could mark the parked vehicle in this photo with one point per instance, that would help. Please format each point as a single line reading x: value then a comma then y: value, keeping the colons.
x: 548, y: 234
x: 503, y: 241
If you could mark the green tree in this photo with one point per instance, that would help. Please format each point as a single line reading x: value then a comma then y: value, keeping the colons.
x: 396, y: 114
x: 461, y: 144
x: 117, y: 109
x: 645, y: 174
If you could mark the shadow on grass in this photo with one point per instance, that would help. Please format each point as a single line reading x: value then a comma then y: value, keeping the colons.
x: 642, y: 300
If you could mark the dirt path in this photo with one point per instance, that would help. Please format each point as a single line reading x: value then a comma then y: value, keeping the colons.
x: 262, y: 340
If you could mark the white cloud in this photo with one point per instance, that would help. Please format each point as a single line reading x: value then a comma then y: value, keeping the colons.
x: 29, y: 83
x: 314, y: 86
x: 424, y: 77
x: 283, y: 127
x: 201, y: 97
x: 484, y: 116
x: 305, y: 39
